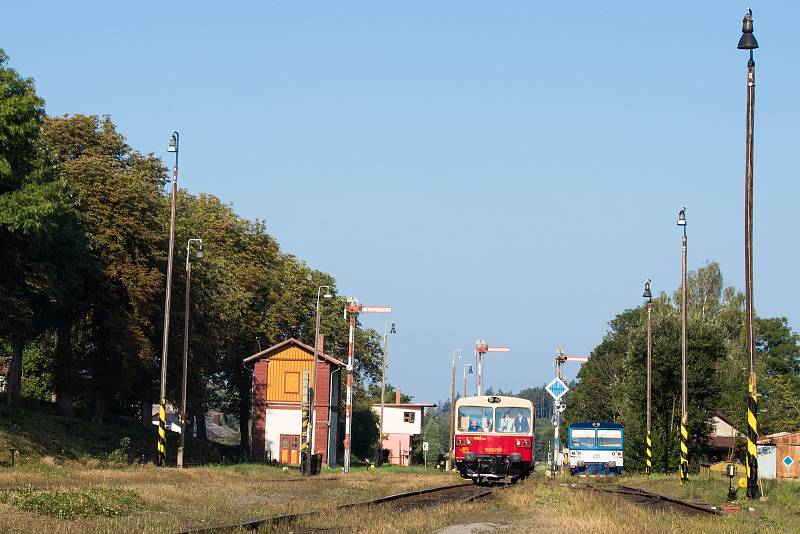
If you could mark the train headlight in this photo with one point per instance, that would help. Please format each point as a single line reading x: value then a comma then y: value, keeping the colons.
x: 519, y: 443
x: 469, y: 441
x: 572, y: 453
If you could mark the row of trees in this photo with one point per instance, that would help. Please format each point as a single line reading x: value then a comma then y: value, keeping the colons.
x: 84, y: 229
x: 612, y: 384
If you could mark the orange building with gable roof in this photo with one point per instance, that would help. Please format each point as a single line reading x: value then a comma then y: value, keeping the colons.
x: 277, y: 393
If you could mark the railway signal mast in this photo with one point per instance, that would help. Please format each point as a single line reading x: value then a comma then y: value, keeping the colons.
x: 481, y: 348
x: 557, y: 389
x: 352, y: 310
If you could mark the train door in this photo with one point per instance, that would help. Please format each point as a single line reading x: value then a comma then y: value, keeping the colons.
x: 290, y: 449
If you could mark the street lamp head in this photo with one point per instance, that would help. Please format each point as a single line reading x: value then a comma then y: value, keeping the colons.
x: 647, y: 294
x: 470, y: 368
x: 748, y: 40
x: 201, y: 253
x: 392, y: 330
x: 682, y: 217
x: 173, y: 142
x: 328, y: 294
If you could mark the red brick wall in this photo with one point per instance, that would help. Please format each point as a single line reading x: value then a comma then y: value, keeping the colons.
x: 257, y: 445
x: 321, y: 409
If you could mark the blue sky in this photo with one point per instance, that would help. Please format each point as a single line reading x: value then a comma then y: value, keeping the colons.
x: 510, y: 171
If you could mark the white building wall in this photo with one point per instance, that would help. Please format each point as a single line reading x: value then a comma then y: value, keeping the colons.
x: 394, y: 423
x: 280, y: 422
x: 767, y: 458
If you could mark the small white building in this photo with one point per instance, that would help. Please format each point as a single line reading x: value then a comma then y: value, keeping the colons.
x: 401, y: 421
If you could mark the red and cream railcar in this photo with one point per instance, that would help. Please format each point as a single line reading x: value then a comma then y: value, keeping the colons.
x: 494, y: 438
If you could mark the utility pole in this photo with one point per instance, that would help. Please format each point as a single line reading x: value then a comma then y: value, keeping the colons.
x: 649, y: 451
x: 466, y: 365
x: 452, y: 407
x: 684, y: 468
x: 312, y: 395
x: 352, y: 310
x: 161, y: 446
x: 748, y: 42
x: 481, y: 348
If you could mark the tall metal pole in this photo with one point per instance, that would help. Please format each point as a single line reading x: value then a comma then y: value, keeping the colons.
x: 161, y: 446
x: 348, y: 409
x: 649, y: 451
x: 465, y: 377
x: 184, y: 378
x: 684, y: 467
x: 748, y: 42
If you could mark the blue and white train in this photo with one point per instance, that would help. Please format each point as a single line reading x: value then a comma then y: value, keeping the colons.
x: 596, y: 448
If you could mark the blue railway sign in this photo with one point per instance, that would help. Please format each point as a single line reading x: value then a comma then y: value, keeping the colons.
x: 556, y: 388
x: 788, y: 461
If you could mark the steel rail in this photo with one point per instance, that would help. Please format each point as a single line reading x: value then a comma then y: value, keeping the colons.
x: 253, y: 524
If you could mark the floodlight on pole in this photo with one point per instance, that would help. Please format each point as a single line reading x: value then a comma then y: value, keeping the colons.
x: 748, y: 42
x: 161, y: 445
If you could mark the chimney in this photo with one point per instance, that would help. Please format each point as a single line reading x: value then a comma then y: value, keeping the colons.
x: 397, y: 396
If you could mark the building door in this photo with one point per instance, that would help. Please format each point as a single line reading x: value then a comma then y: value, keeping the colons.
x: 290, y: 449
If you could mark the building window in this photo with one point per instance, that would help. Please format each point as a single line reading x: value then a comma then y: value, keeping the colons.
x: 291, y: 382
x: 408, y: 417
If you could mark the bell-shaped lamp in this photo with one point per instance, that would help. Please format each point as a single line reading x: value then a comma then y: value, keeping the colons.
x: 201, y: 253
x: 392, y: 330
x: 173, y: 142
x: 748, y: 40
x: 682, y: 217
x: 647, y: 294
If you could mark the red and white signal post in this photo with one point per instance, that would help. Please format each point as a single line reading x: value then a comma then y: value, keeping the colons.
x: 353, y: 309
x: 481, y: 348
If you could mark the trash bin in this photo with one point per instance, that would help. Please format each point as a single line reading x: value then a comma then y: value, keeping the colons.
x: 316, y: 464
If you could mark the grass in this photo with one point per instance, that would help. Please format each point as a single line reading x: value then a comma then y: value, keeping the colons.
x: 71, y: 504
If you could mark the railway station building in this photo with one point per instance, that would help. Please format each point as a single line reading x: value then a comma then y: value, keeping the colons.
x: 403, y: 421
x: 277, y: 393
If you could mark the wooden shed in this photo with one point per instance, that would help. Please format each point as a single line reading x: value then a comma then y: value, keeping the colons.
x: 277, y: 384
x: 779, y: 456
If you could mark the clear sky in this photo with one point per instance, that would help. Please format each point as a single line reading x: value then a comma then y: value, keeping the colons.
x: 505, y: 170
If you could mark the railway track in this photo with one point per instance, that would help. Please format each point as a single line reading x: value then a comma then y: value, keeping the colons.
x: 650, y: 499
x: 453, y: 493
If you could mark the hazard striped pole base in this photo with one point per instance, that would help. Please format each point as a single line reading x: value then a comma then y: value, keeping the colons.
x: 753, y: 491
x: 684, y: 451
x: 162, y: 433
x: 648, y: 468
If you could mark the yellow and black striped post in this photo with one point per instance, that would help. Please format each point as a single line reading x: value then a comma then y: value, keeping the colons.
x: 649, y: 467
x: 162, y: 433
x: 684, y: 451
x: 753, y: 491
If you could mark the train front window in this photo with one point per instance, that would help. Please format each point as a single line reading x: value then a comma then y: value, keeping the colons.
x: 581, y: 438
x: 609, y: 438
x: 513, y: 419
x: 475, y: 419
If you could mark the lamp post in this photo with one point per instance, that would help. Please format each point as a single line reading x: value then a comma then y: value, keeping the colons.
x: 161, y: 446
x: 684, y: 468
x: 200, y: 255
x: 649, y: 451
x: 383, y: 386
x: 312, y: 398
x: 748, y: 42
x: 452, y: 405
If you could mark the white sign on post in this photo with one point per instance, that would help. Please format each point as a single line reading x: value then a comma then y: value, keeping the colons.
x: 424, y: 445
